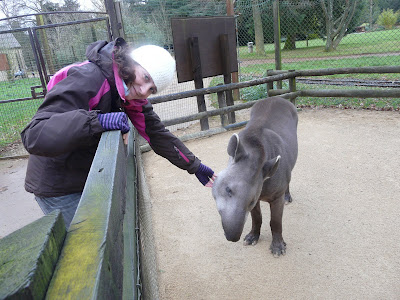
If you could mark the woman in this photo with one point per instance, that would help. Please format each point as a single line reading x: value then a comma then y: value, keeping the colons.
x: 88, y: 98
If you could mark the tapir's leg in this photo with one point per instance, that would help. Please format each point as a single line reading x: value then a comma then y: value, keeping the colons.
x: 288, y: 197
x: 278, y: 245
x: 256, y: 220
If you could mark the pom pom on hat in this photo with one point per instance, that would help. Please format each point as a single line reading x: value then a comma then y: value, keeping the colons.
x: 158, y: 62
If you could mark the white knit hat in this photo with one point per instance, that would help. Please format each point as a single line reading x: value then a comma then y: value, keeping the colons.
x: 158, y: 62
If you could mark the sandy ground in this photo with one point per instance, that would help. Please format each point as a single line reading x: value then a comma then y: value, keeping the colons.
x: 342, y: 230
x: 17, y: 207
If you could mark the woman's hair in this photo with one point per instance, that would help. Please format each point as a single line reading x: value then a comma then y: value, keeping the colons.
x: 124, y: 62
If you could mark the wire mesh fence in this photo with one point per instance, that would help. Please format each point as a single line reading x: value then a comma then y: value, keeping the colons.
x: 311, y: 36
x: 26, y: 66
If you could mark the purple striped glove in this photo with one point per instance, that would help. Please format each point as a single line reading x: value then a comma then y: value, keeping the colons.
x: 205, y: 175
x: 114, y: 121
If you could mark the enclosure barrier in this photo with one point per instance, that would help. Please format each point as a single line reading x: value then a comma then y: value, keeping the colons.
x: 98, y: 259
x: 273, y: 76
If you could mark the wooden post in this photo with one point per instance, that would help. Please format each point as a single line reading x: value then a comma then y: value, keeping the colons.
x: 28, y: 257
x: 292, y: 87
x: 114, y: 15
x: 198, y: 78
x: 222, y: 104
x: 270, y: 85
x: 46, y: 46
x: 225, y: 59
x: 235, y: 75
x: 277, y: 39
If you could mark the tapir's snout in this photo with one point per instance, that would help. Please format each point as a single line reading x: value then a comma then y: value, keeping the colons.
x: 232, y: 238
x: 233, y: 225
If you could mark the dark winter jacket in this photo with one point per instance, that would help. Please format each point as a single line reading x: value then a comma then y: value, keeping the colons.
x: 63, y: 135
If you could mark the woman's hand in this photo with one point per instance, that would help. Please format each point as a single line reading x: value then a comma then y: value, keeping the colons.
x: 114, y: 121
x: 205, y: 175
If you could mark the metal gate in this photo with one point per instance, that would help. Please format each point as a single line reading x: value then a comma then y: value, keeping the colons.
x: 30, y: 56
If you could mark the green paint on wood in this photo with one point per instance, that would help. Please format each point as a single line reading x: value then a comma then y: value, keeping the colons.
x: 28, y: 257
x: 90, y: 265
x: 130, y: 290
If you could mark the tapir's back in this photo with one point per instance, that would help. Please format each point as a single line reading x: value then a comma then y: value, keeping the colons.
x: 278, y: 115
x: 275, y: 113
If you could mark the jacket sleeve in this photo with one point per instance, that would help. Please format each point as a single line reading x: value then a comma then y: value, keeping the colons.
x: 63, y: 122
x: 161, y: 140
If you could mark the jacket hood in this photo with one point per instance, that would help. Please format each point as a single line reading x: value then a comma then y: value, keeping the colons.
x: 100, y: 53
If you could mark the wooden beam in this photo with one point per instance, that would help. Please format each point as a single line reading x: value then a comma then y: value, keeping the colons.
x: 28, y: 257
x: 274, y: 77
x: 131, y: 228
x: 392, y: 93
x: 91, y: 264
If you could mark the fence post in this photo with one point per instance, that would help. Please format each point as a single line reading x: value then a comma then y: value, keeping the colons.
x: 277, y: 39
x: 223, y: 39
x: 292, y: 87
x: 117, y: 29
x: 270, y: 85
x: 235, y: 75
x: 198, y: 78
x: 222, y: 104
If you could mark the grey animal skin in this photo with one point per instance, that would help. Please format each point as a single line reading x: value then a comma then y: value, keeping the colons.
x: 262, y: 157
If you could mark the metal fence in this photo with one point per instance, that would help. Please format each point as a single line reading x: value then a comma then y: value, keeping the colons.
x: 29, y: 56
x: 309, y: 36
x: 306, y: 38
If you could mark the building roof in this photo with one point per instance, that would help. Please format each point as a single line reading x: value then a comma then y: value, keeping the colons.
x: 8, y: 40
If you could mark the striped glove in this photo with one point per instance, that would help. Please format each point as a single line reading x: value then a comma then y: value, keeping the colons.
x: 205, y: 175
x: 114, y: 121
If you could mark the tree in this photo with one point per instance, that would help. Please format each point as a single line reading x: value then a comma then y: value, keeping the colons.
x: 155, y: 15
x: 388, y: 18
x: 298, y: 20
x: 389, y: 4
x: 338, y: 17
x: 258, y: 28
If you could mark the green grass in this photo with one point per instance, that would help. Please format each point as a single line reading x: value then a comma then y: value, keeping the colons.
x: 14, y: 116
x: 260, y: 69
x: 369, y: 42
x: 16, y: 89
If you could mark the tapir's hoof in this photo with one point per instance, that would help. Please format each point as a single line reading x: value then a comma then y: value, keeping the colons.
x: 278, y: 249
x: 251, y: 239
x: 288, y: 198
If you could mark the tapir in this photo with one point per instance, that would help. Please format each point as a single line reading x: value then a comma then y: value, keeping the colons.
x: 261, y: 159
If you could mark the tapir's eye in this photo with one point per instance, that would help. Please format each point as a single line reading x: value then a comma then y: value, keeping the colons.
x: 229, y: 191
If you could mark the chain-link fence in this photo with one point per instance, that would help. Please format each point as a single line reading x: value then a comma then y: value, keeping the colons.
x: 311, y: 35
x: 317, y: 36
x: 29, y: 56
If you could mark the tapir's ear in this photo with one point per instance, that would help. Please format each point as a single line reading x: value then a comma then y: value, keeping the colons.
x: 235, y: 148
x: 270, y: 167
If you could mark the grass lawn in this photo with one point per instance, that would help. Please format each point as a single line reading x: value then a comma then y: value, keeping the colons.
x: 14, y: 116
x: 356, y: 43
x: 362, y: 61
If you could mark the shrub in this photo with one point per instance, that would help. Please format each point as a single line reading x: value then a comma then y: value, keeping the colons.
x: 388, y: 18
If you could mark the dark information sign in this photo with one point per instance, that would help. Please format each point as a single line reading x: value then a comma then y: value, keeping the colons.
x: 208, y: 31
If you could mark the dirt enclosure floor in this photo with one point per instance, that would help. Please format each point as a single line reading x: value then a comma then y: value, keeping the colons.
x: 342, y: 229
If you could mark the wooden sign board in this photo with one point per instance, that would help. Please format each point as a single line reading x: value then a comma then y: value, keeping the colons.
x: 208, y: 31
